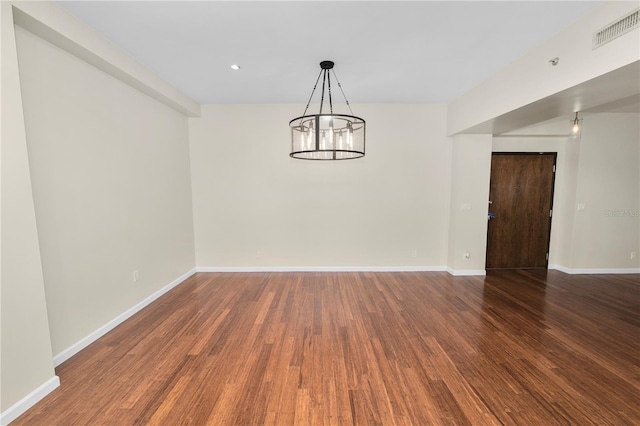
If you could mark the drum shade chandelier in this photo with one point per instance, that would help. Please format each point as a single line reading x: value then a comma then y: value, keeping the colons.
x: 327, y: 136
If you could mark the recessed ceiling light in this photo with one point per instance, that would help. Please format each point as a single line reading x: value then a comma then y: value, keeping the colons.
x: 235, y: 67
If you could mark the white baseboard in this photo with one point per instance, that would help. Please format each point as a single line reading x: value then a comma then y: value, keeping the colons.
x: 612, y: 271
x: 87, y: 340
x: 17, y: 409
x: 456, y: 272
x: 466, y: 272
x: 320, y: 268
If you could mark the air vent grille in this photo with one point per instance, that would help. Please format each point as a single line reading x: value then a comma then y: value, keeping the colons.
x: 616, y: 29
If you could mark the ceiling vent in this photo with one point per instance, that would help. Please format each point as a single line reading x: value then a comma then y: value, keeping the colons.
x: 615, y: 29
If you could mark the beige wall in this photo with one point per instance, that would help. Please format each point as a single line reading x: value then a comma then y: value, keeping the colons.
x: 25, y: 350
x: 471, y: 157
x: 250, y: 197
x: 608, y: 229
x: 111, y: 185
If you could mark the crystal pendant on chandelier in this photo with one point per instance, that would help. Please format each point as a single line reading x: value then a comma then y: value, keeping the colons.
x: 327, y: 136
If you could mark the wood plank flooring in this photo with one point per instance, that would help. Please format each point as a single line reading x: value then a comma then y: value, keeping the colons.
x: 514, y: 348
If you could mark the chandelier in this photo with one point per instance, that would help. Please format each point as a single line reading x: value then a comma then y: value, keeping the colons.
x: 327, y: 136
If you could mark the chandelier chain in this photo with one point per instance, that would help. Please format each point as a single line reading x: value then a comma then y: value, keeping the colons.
x: 343, y: 95
x: 329, y: 84
x: 324, y: 79
x: 312, y: 92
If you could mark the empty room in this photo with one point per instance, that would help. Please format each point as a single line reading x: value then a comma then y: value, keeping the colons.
x: 320, y: 213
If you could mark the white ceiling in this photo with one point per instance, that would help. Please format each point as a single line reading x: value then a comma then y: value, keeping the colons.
x: 385, y: 51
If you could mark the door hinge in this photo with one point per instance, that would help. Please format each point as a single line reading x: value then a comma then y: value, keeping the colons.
x: 547, y: 256
x: 550, y: 213
x: 554, y: 168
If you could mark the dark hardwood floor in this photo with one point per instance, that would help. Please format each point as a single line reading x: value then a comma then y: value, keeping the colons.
x: 514, y: 348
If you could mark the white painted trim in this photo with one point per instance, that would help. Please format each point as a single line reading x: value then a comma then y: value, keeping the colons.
x: 467, y: 272
x: 559, y: 268
x: 17, y: 409
x: 611, y: 271
x: 87, y: 340
x: 320, y: 268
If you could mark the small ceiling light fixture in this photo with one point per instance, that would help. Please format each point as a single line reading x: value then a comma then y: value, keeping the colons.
x: 327, y: 136
x: 576, y: 127
x: 235, y: 67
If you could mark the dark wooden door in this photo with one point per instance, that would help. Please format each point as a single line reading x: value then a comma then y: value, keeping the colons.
x: 520, y: 210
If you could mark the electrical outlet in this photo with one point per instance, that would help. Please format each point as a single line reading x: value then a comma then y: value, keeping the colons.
x: 136, y: 276
x: 258, y: 254
x: 633, y: 255
x: 467, y: 255
x: 414, y: 253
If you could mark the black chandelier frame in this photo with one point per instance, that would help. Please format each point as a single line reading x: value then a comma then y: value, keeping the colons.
x: 327, y: 136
